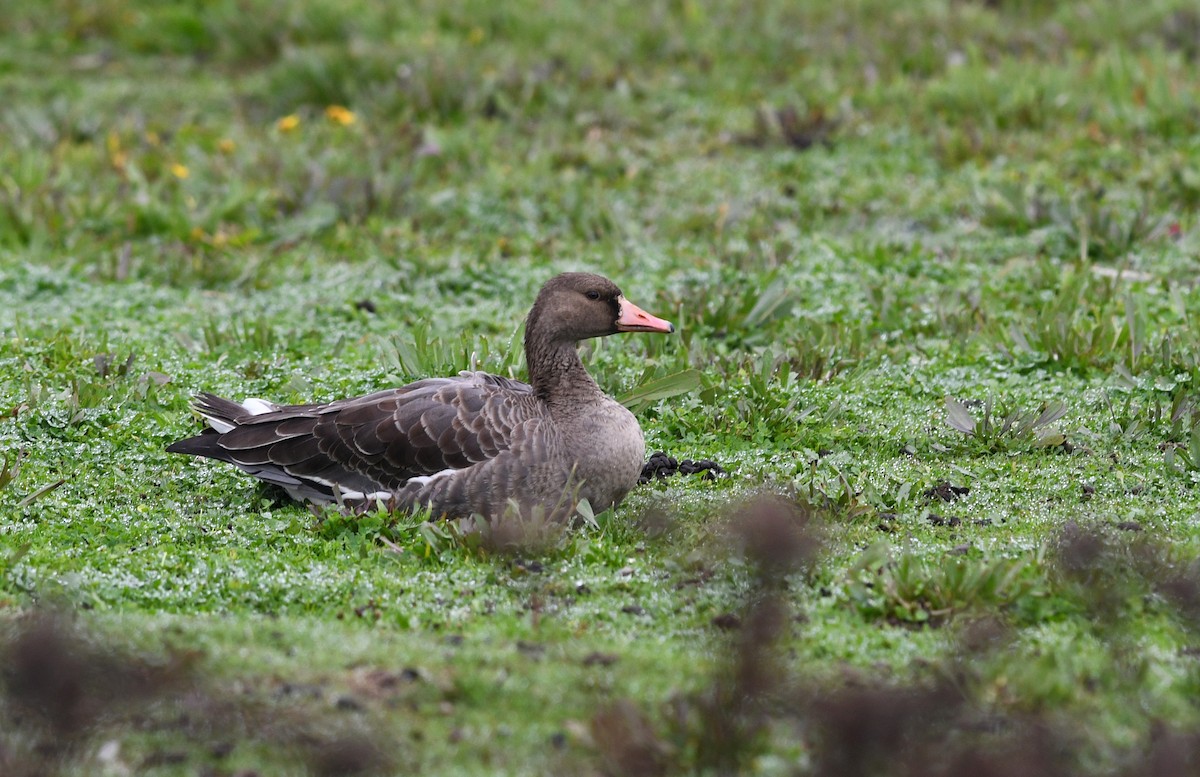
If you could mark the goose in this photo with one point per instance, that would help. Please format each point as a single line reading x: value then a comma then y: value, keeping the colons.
x: 459, y: 446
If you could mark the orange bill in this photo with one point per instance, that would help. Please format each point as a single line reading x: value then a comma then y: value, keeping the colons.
x: 634, y: 319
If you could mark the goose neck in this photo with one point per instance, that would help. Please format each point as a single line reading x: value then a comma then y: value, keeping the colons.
x: 557, y: 374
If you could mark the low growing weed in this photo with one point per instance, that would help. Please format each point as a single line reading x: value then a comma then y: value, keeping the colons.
x: 916, y: 589
x: 1000, y: 428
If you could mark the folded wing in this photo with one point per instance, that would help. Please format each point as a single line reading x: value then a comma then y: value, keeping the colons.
x: 370, y: 445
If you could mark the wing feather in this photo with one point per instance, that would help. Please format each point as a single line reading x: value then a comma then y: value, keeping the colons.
x: 375, y: 442
x: 293, y: 452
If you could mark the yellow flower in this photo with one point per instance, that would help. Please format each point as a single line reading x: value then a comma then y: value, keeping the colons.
x: 179, y: 171
x: 340, y: 115
x: 226, y: 146
x: 115, y: 154
x: 475, y: 36
x: 288, y: 123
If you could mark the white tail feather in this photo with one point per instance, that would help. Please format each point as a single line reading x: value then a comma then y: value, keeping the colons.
x: 423, y: 479
x: 256, y: 406
x: 252, y: 405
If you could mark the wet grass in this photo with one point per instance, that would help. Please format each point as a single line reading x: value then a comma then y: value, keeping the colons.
x: 933, y: 267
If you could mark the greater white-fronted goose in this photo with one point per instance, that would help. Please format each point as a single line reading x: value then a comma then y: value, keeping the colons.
x: 477, y: 443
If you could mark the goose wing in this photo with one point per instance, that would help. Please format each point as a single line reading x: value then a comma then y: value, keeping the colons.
x: 369, y: 444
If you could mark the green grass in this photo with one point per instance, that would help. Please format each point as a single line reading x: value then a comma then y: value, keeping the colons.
x: 905, y: 245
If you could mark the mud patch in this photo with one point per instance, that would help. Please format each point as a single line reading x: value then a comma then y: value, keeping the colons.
x: 661, y: 466
x: 945, y: 492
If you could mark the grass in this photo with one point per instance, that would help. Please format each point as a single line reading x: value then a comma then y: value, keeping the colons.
x: 933, y: 270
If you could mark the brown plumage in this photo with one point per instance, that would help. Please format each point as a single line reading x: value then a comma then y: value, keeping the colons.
x: 476, y: 443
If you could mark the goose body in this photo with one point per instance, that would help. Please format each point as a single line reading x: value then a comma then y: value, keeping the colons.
x: 475, y: 443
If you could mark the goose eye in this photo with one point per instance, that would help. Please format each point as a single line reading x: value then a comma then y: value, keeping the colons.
x: 593, y: 294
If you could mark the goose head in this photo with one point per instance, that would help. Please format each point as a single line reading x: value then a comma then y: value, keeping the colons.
x: 576, y: 306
